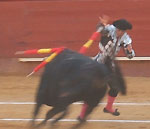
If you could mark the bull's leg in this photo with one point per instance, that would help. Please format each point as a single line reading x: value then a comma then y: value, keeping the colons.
x: 62, y: 107
x: 89, y: 104
x: 51, y: 113
x: 35, y: 113
x: 60, y: 117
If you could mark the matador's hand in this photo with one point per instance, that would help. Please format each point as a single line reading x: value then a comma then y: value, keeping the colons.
x: 104, y: 19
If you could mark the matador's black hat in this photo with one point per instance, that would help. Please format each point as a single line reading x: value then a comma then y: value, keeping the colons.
x: 122, y: 24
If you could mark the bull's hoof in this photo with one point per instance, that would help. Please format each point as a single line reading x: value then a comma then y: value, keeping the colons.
x: 53, y: 122
x: 81, y: 119
x: 115, y: 113
x: 40, y: 124
x: 32, y: 124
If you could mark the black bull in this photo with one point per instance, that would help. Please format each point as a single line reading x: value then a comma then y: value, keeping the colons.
x: 73, y: 77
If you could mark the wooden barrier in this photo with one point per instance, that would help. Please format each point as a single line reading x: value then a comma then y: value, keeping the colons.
x: 118, y: 58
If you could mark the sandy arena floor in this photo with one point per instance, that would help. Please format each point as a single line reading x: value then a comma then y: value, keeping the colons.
x: 134, y: 108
